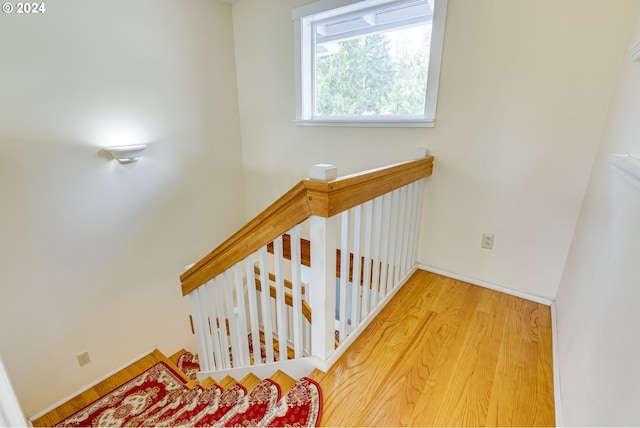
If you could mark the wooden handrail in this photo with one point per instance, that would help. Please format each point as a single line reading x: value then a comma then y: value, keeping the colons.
x: 291, y: 209
x: 307, y: 198
x: 328, y: 198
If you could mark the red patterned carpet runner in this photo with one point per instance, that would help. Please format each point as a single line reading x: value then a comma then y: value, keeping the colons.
x: 149, y: 391
x: 189, y: 365
x: 300, y: 408
x: 253, y: 409
x: 210, y: 416
x: 158, y: 397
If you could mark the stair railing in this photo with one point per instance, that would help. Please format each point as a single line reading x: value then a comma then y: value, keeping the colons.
x: 268, y: 296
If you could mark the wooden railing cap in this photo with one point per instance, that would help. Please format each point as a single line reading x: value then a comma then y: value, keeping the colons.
x: 308, y: 197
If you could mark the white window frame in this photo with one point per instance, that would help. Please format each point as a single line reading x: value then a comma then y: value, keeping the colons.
x: 305, y: 16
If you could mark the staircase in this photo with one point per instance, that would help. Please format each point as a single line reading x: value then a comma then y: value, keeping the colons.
x: 311, y: 271
x: 161, y: 391
x: 308, y: 275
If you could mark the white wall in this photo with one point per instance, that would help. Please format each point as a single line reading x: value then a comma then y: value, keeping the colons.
x: 523, y: 98
x: 597, y: 302
x: 91, y: 250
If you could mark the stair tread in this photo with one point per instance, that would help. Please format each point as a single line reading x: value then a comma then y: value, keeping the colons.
x: 227, y: 382
x: 250, y: 381
x: 317, y: 375
x: 207, y: 383
x: 285, y: 381
x: 174, y: 357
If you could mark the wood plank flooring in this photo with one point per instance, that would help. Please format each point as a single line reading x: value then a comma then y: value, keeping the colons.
x: 442, y: 353
x: 446, y: 353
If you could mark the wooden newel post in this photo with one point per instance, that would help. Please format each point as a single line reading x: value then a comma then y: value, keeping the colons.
x: 322, y: 293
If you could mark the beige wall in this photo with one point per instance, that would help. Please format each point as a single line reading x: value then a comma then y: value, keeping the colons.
x: 597, y: 302
x: 524, y: 91
x: 91, y: 250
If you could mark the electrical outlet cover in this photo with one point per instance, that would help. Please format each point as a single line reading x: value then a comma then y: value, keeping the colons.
x: 487, y: 241
x: 84, y: 359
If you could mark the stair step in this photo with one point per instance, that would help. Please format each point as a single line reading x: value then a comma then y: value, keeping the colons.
x: 285, y: 381
x: 174, y: 357
x: 250, y: 381
x: 227, y: 382
x: 316, y: 375
x: 192, y: 383
x: 207, y: 383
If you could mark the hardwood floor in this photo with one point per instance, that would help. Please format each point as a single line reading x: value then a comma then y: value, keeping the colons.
x: 442, y: 353
x: 446, y: 353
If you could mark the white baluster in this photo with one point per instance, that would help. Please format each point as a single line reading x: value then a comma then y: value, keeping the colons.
x: 265, y: 303
x: 296, y: 291
x: 384, y: 243
x: 402, y: 238
x: 234, y: 346
x: 366, y: 274
x: 377, y: 236
x: 210, y: 307
x: 281, y: 306
x: 407, y: 210
x: 356, y: 291
x: 393, y: 237
x: 219, y: 325
x: 307, y: 334
x: 241, y: 317
x: 253, y: 308
x: 201, y: 329
x: 418, y: 215
x: 344, y: 275
x: 414, y: 188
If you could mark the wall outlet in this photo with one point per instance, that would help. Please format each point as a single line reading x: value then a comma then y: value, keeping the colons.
x: 84, y: 359
x: 487, y: 240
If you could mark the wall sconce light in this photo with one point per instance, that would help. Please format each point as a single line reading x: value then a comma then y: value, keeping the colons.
x: 126, y: 154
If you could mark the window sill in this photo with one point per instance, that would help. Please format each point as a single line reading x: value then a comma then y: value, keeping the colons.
x: 364, y: 123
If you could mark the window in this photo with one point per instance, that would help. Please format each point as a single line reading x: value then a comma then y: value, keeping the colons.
x: 368, y: 63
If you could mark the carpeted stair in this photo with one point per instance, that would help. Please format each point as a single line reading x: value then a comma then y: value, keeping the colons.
x: 168, y: 394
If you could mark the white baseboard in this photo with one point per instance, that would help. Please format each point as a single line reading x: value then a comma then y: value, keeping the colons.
x: 84, y: 388
x: 495, y: 287
x: 557, y: 387
x: 296, y: 368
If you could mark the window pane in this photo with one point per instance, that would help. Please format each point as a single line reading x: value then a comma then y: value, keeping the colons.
x: 381, y: 73
x: 364, y: 63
